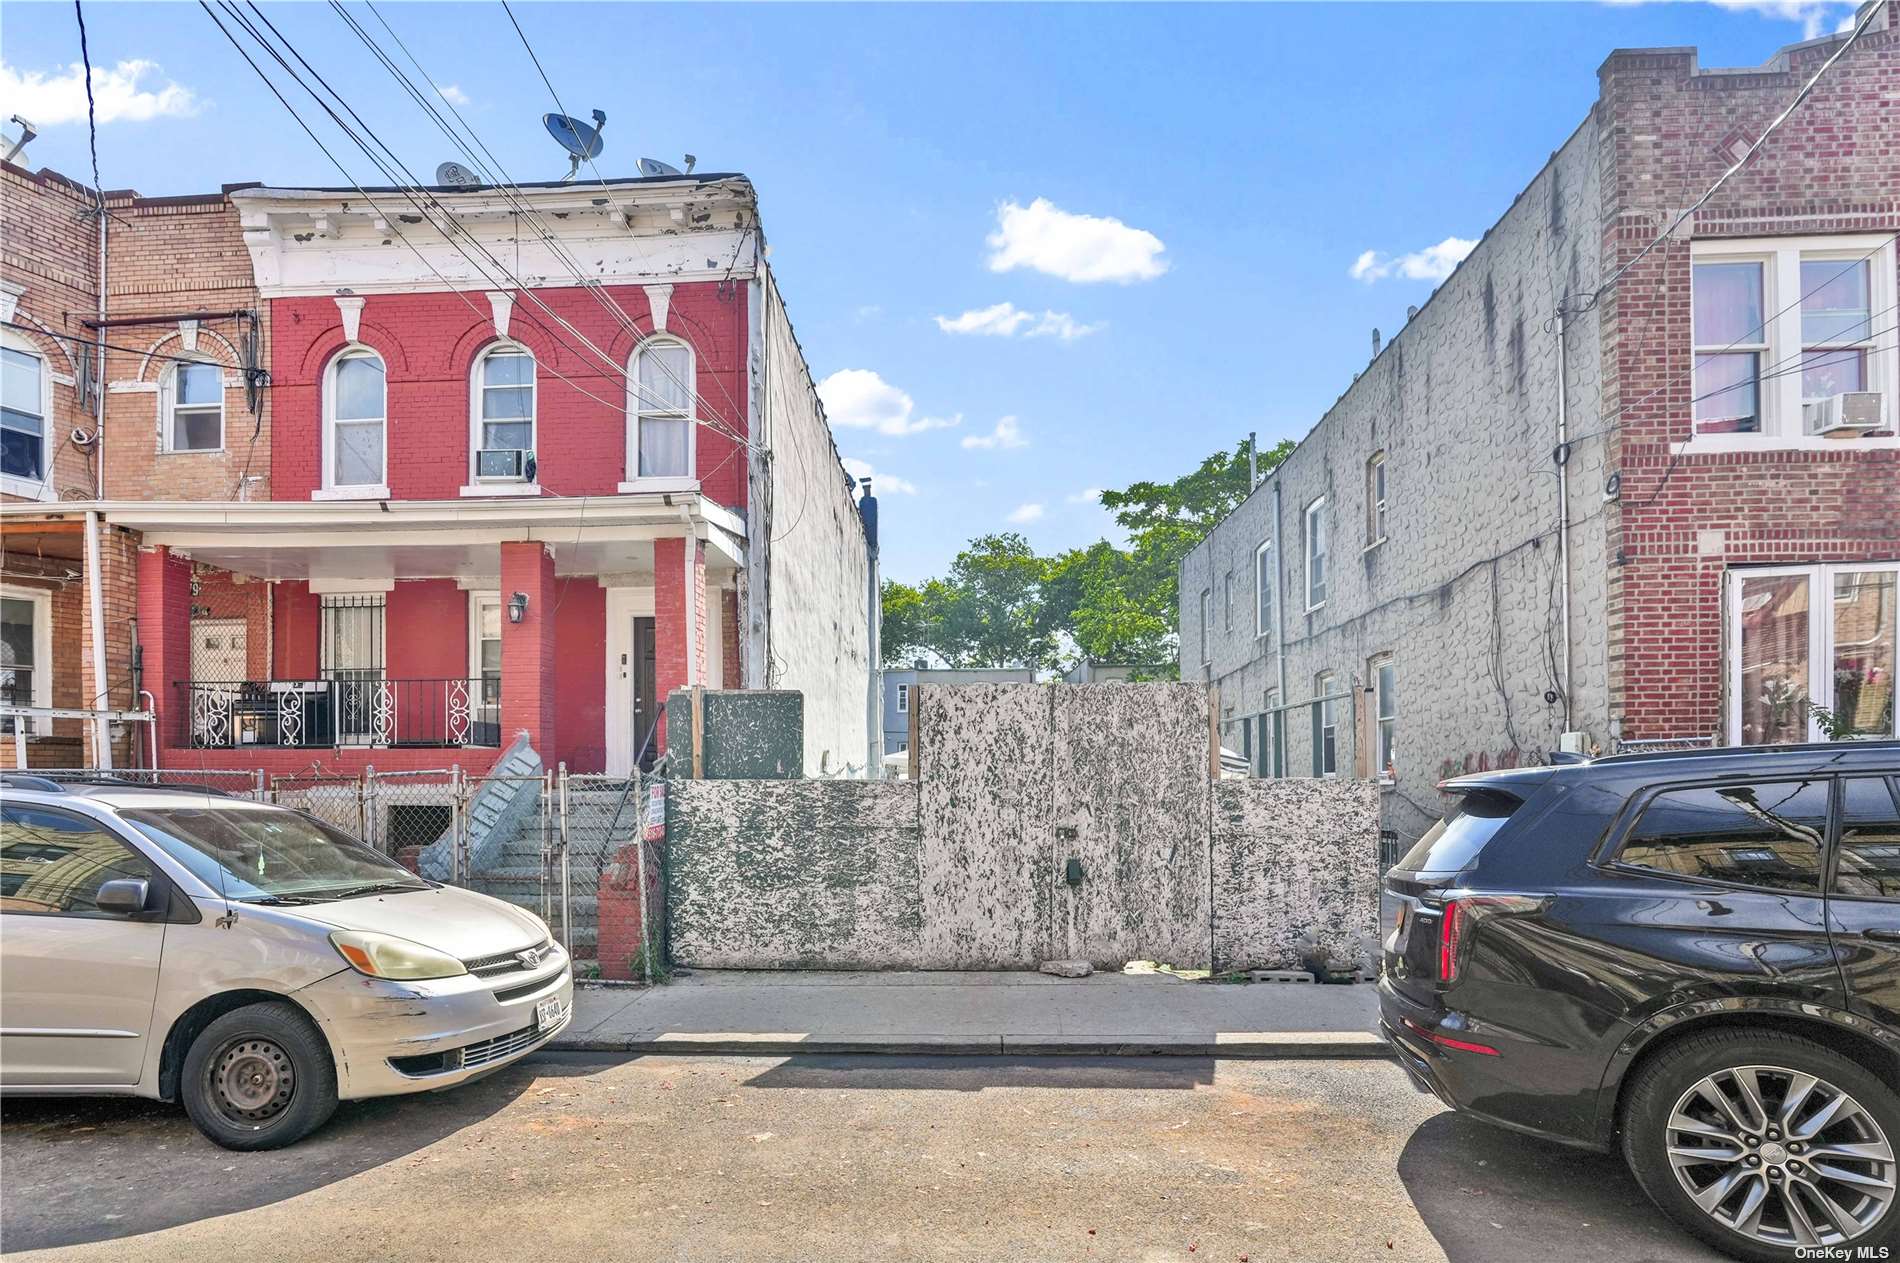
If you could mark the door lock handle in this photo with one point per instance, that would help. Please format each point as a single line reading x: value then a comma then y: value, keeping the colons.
x: 1883, y: 936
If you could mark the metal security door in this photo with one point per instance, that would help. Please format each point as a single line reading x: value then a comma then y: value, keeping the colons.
x: 352, y: 660
x: 1130, y: 850
x: 219, y: 656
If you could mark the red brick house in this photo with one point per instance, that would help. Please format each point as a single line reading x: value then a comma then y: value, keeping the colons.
x: 511, y: 470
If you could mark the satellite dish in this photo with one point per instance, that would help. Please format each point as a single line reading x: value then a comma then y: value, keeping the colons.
x: 455, y: 175
x: 653, y: 166
x: 581, y: 141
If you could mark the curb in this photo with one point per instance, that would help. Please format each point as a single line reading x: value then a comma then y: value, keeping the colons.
x: 1254, y: 1045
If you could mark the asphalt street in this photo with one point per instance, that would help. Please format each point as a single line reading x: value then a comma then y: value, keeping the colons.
x: 576, y: 1156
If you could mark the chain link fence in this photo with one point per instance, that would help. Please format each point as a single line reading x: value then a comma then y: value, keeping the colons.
x: 550, y: 842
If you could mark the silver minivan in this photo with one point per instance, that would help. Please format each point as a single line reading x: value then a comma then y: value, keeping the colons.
x: 250, y: 961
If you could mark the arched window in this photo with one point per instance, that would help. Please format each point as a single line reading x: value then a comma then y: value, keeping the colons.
x: 355, y: 423
x: 26, y: 402
x: 503, y: 413
x: 661, y: 441
x: 191, y: 408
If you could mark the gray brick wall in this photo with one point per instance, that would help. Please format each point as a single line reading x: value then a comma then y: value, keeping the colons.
x: 1462, y: 593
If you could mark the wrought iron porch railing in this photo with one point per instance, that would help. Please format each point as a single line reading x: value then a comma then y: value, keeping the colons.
x: 356, y: 708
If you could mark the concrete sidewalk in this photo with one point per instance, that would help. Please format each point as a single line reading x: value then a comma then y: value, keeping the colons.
x: 1027, y: 1014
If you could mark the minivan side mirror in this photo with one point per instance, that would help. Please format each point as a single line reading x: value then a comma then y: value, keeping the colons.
x: 125, y: 896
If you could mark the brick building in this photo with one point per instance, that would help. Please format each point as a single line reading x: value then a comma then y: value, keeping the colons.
x: 370, y: 494
x: 1407, y: 596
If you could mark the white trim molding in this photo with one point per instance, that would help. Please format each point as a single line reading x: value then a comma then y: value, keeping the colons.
x: 500, y: 305
x: 351, y: 309
x: 659, y: 297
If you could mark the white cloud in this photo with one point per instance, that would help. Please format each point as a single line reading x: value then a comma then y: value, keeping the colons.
x: 1006, y: 320
x: 1024, y: 514
x: 880, y: 483
x: 1433, y: 263
x: 1006, y: 434
x: 1088, y: 495
x: 1816, y: 17
x: 1081, y: 248
x: 453, y: 94
x: 47, y: 100
x: 858, y: 399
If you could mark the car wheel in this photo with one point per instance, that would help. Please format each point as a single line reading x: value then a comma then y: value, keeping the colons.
x: 259, y: 1077
x: 1766, y: 1145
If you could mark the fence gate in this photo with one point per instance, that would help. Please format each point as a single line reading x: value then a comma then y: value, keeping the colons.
x: 1129, y: 825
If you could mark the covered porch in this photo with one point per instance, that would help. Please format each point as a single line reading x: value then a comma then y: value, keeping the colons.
x: 406, y: 635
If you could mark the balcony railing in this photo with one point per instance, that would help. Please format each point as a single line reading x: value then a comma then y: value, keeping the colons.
x: 356, y: 709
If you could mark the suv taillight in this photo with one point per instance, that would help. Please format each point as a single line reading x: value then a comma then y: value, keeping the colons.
x: 1459, y: 922
x: 1451, y: 937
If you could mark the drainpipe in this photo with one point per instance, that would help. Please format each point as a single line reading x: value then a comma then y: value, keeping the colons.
x: 95, y: 598
x: 1279, y: 631
x: 874, y: 600
x: 1563, y: 501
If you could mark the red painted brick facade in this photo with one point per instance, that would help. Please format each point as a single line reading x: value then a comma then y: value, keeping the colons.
x: 1833, y: 168
x: 429, y: 343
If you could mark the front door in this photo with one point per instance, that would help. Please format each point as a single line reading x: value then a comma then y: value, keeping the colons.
x: 79, y: 983
x: 632, y: 701
x: 1864, y: 901
x: 646, y: 707
x: 1130, y: 854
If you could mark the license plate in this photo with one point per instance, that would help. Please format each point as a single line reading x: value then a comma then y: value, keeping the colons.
x: 547, y: 1013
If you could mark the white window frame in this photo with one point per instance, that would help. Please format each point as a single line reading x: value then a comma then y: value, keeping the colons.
x: 476, y: 600
x: 42, y: 603
x: 1227, y: 602
x: 1780, y: 394
x: 1207, y: 617
x: 477, y: 484
x: 1384, y: 744
x: 1325, y: 716
x: 637, y: 412
x: 1377, y: 485
x: 1264, y: 589
x: 903, y: 699
x: 1315, y: 516
x: 168, y: 409
x: 331, y: 489
x: 1821, y: 645
x: 40, y: 488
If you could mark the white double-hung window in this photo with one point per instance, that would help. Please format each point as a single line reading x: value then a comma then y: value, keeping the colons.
x: 25, y: 404
x: 191, y: 408
x: 1263, y: 586
x: 1316, y: 554
x: 661, y: 437
x: 504, y: 414
x: 1794, y: 342
x: 1811, y: 652
x: 355, y: 424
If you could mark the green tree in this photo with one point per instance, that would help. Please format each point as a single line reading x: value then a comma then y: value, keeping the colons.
x: 994, y: 614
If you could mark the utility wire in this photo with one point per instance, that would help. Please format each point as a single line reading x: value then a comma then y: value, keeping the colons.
x: 620, y: 212
x: 503, y: 183
x: 1743, y: 161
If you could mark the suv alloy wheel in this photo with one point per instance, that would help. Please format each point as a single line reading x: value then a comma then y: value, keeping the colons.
x: 1761, y: 1143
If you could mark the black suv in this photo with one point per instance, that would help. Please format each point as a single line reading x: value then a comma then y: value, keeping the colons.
x: 1695, y: 956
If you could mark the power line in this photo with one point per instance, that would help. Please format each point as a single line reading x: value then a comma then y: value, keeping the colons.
x: 1743, y: 161
x: 504, y: 184
x: 92, y: 123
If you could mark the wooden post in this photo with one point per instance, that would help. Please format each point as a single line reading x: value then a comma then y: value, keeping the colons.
x: 1213, y: 731
x: 699, y: 732
x: 910, y: 742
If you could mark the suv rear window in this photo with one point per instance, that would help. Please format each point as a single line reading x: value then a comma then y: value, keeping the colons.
x: 1454, y: 843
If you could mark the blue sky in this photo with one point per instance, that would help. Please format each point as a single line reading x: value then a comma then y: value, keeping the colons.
x: 1173, y: 201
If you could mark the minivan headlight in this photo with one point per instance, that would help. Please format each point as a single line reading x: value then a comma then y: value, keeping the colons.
x: 386, y: 956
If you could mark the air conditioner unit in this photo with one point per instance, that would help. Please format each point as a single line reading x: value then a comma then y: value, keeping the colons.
x: 504, y: 462
x: 1853, y: 412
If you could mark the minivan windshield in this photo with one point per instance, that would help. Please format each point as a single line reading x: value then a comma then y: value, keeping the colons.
x: 1454, y: 843
x: 264, y: 856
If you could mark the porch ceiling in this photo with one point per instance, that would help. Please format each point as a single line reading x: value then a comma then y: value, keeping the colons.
x: 385, y: 540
